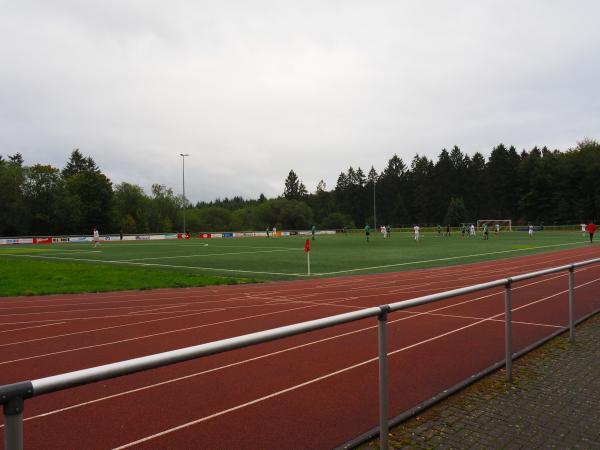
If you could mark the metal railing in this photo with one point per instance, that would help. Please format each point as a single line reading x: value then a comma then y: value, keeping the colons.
x: 13, y: 396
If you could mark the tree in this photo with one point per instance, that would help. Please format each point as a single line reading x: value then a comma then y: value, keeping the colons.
x: 164, y: 209
x: 13, y: 211
x: 95, y: 195
x: 78, y: 163
x: 131, y: 209
x: 294, y: 188
x: 456, y: 212
x: 43, y: 188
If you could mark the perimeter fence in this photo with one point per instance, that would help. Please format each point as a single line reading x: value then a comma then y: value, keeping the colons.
x: 13, y: 396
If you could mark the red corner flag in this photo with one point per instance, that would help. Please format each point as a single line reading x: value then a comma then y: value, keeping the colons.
x: 307, y: 246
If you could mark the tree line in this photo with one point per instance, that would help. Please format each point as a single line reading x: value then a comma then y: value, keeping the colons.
x: 539, y: 186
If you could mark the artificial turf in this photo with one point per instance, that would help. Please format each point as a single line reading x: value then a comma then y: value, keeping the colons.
x: 61, y: 268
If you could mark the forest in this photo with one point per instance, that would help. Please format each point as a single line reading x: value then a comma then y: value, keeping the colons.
x: 538, y: 186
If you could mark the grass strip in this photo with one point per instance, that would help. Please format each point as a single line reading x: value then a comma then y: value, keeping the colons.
x: 34, y: 277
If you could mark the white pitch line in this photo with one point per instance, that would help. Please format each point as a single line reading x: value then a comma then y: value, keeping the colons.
x: 211, y: 254
x: 445, y: 259
x: 101, y: 261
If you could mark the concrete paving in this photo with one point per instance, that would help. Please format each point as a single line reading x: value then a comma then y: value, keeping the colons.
x: 553, y: 403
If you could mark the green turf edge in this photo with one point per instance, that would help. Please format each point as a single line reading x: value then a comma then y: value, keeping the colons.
x: 26, y: 277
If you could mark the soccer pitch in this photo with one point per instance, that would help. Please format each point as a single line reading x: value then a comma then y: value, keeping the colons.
x: 284, y: 258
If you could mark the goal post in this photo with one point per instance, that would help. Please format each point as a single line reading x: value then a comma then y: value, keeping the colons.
x: 505, y: 224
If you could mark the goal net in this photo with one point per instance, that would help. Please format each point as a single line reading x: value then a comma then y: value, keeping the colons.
x: 504, y: 224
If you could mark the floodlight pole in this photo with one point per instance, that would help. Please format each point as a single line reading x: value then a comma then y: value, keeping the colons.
x: 183, y: 155
x: 374, y: 207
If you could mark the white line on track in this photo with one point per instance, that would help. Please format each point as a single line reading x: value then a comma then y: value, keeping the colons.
x: 86, y: 310
x: 35, y: 326
x: 147, y: 336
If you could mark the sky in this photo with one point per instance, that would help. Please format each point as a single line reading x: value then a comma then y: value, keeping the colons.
x: 253, y: 89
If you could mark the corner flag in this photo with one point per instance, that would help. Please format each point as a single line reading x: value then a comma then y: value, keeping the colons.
x: 307, y: 246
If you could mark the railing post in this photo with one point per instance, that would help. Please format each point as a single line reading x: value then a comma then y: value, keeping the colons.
x: 508, y: 328
x: 571, y: 302
x: 13, y: 424
x: 12, y: 397
x: 383, y: 378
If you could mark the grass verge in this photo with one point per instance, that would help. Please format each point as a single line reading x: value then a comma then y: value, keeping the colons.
x: 26, y: 277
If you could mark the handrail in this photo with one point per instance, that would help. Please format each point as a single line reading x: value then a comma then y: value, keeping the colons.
x: 12, y: 396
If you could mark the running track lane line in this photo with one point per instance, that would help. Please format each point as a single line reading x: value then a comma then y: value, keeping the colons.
x: 105, y: 344
x: 315, y: 380
x: 413, y: 315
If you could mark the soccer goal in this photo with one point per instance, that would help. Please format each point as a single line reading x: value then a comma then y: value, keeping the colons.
x: 505, y: 224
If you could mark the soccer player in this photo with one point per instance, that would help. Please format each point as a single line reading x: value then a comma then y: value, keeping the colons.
x: 267, y: 232
x: 463, y: 231
x: 388, y: 230
x: 485, y: 232
x: 274, y: 232
x: 591, y: 229
x: 313, y: 230
x: 439, y: 230
x: 448, y: 230
x: 583, y: 229
x: 497, y: 229
x: 367, y: 231
x: 530, y: 231
x: 96, y: 238
x: 472, y: 230
x: 417, y: 233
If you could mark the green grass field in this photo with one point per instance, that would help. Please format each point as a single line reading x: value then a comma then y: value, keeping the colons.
x: 28, y: 270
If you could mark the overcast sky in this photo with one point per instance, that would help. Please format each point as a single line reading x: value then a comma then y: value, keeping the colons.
x: 252, y: 89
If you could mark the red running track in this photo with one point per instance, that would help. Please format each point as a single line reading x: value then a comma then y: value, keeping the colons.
x: 314, y: 391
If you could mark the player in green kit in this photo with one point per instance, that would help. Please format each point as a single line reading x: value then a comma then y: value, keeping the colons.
x: 439, y: 230
x: 367, y: 231
x: 313, y: 230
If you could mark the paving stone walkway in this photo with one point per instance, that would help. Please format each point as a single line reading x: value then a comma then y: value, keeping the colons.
x: 554, y: 403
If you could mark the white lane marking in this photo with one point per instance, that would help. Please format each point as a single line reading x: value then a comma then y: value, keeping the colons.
x: 35, y: 326
x: 494, y: 320
x: 188, y: 314
x: 317, y: 379
x: 76, y: 311
x: 147, y: 336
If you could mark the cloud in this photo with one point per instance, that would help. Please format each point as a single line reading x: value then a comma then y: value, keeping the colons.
x: 253, y: 89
